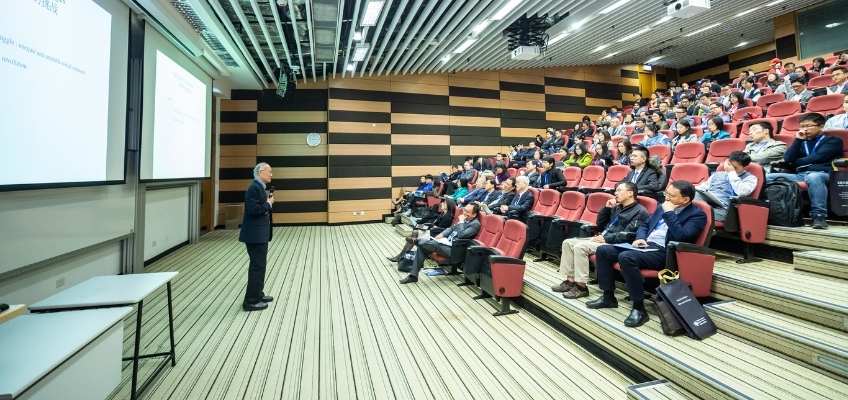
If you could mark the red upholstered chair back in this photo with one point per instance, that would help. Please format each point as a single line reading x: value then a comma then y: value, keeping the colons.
x: 820, y: 82
x: 669, y: 133
x: 766, y: 100
x: 786, y: 138
x: 696, y: 129
x: 637, y: 138
x: 740, y: 113
x: 661, y: 151
x: 757, y: 170
x: 572, y: 176
x: 691, y: 152
x: 704, y: 237
x: 511, y: 242
x: 842, y: 134
x: 614, y: 175
x: 721, y: 149
x: 491, y: 228
x: 536, y: 196
x: 791, y: 124
x: 649, y: 203
x: 743, y: 132
x: 827, y: 104
x: 594, y: 203
x: 547, y: 203
x: 783, y: 108
x: 512, y: 172
x: 694, y: 173
x: 593, y: 177
x: 571, y: 205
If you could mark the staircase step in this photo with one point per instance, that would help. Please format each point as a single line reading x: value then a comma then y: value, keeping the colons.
x: 658, y: 390
x: 807, y: 238
x: 779, y: 287
x: 389, y: 219
x: 403, y: 230
x: 825, y: 262
x: 722, y: 366
x: 819, y: 346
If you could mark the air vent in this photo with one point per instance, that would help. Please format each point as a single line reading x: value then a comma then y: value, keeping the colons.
x: 191, y: 17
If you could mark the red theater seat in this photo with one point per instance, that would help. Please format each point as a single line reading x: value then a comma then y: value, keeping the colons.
x: 649, y: 203
x: 637, y: 138
x: 503, y: 275
x: 615, y: 174
x: 820, y: 82
x: 827, y: 104
x: 752, y: 215
x: 766, y: 100
x: 840, y: 133
x: 593, y: 177
x: 743, y: 132
x: 692, y: 152
x: 791, y: 125
x: 571, y: 206
x: 694, y: 173
x: 660, y: 151
x: 572, y: 176
x: 594, y: 203
x: 786, y: 138
x: 547, y: 202
x: 784, y: 108
x: 721, y: 149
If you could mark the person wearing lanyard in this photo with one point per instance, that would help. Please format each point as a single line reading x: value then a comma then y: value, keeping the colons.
x: 617, y: 223
x: 839, y: 121
x: 550, y: 176
x: 811, y: 155
x: 677, y: 220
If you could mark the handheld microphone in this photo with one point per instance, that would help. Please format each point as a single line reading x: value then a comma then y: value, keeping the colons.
x: 270, y: 190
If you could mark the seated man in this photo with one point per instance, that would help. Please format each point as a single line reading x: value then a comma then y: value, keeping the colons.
x: 677, y: 220
x: 763, y: 149
x: 521, y: 203
x: 799, y: 91
x: 839, y: 121
x: 646, y: 176
x: 466, y: 228
x: 729, y: 181
x: 476, y: 194
x: 550, y: 177
x: 618, y: 222
x: 811, y: 155
x: 507, y: 193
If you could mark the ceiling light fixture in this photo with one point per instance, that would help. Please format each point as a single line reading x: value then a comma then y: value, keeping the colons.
x: 662, y: 20
x: 633, y: 35
x: 481, y: 26
x: 558, y: 37
x: 748, y: 11
x: 654, y: 59
x: 609, y: 55
x: 833, y: 25
x: 776, y: 2
x: 506, y: 9
x: 577, y: 25
x: 357, y: 35
x: 612, y: 7
x: 601, y: 47
x: 465, y: 45
x: 704, y: 29
x: 446, y: 58
x: 351, y: 67
x: 372, y: 12
x: 360, y: 51
x: 741, y: 44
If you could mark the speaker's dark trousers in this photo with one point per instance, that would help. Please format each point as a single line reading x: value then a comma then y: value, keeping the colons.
x: 630, y: 262
x: 258, y: 253
x: 423, y: 249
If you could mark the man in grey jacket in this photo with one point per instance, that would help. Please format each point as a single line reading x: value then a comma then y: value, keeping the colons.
x: 466, y: 228
x: 763, y: 149
x: 799, y: 90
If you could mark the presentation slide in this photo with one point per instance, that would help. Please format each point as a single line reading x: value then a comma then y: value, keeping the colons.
x: 179, y: 122
x: 55, y: 68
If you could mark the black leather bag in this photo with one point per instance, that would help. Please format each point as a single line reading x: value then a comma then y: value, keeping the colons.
x: 690, y: 314
x: 668, y: 321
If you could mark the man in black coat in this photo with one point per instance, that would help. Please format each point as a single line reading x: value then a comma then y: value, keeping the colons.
x: 522, y: 202
x: 647, y: 178
x: 466, y: 228
x: 255, y: 233
x: 550, y: 177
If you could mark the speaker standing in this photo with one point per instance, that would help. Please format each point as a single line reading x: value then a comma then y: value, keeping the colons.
x: 255, y: 233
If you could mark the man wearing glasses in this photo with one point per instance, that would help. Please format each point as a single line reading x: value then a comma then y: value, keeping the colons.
x: 799, y: 91
x: 810, y: 156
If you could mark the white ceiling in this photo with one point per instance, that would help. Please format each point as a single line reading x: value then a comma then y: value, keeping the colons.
x: 412, y: 36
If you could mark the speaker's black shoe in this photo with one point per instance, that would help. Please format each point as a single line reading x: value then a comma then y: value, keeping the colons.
x: 636, y: 318
x: 393, y: 259
x: 254, y: 306
x: 602, y: 302
x: 408, y: 279
x: 267, y: 299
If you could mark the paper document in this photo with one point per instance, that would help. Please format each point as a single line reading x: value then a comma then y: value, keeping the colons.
x: 443, y: 240
x: 629, y: 246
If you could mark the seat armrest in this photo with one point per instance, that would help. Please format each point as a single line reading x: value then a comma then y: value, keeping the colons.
x: 506, y: 260
x: 683, y: 247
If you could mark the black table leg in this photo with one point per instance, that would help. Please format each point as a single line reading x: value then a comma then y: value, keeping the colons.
x: 171, y: 327
x: 136, y: 349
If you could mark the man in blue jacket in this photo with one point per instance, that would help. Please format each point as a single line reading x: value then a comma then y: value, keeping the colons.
x: 677, y: 220
x: 811, y: 155
x: 255, y: 233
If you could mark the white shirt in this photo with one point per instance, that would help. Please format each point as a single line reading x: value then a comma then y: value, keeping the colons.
x: 838, y: 88
x: 837, y: 122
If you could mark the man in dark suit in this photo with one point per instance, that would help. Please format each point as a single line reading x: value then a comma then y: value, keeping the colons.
x: 466, y: 228
x: 255, y: 233
x: 522, y: 202
x: 550, y: 177
x: 647, y: 178
x: 677, y: 220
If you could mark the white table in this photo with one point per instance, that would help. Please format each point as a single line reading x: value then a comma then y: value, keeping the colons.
x: 118, y: 291
x: 73, y: 355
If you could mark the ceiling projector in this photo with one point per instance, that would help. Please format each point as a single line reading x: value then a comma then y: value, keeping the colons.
x: 687, y: 8
x: 524, y: 53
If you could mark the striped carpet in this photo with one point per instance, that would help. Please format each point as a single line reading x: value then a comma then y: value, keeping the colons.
x: 341, y: 327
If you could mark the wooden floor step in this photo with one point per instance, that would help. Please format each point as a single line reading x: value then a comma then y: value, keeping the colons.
x: 778, y: 286
x: 819, y: 346
x: 825, y: 262
x: 658, y: 390
x: 807, y: 238
x: 722, y: 366
x: 403, y: 230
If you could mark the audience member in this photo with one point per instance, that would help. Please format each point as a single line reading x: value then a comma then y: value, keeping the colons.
x: 624, y: 148
x: 653, y: 137
x: 730, y: 180
x: 507, y: 189
x: 615, y: 128
x: 684, y: 134
x: 461, y: 190
x: 521, y: 203
x: 839, y: 121
x: 501, y: 174
x: 645, y: 175
x: 440, y: 221
x: 579, y: 157
x: 839, y: 76
x: 763, y: 149
x: 551, y: 177
x: 715, y: 131
x: 818, y: 66
x: 749, y: 91
x: 799, y: 91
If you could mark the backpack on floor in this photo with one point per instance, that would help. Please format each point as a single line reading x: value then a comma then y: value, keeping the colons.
x: 784, y: 203
x: 406, y: 260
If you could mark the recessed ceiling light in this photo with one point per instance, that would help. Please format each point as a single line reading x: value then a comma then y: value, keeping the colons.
x: 654, y: 59
x: 446, y: 58
x: 465, y: 45
x: 506, y: 9
x: 612, y: 7
x: 741, y: 44
x: 609, y: 55
x: 748, y: 11
x: 357, y: 35
x: 633, y: 35
x: 601, y: 47
x: 706, y: 28
x: 776, y: 2
x: 351, y: 67
x: 360, y: 51
x: 662, y: 20
x: 480, y: 27
x: 577, y: 25
x: 557, y: 38
x: 833, y: 25
x: 372, y: 12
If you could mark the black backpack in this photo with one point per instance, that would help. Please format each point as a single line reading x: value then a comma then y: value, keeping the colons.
x: 784, y: 203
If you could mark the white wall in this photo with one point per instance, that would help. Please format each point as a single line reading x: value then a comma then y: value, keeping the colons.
x: 166, y: 216
x: 39, y: 283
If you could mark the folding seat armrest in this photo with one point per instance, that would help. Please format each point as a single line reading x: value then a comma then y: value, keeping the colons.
x: 750, y: 201
x: 683, y: 247
x: 484, y: 250
x: 587, y: 230
x: 506, y: 260
x: 695, y: 265
x: 544, y: 217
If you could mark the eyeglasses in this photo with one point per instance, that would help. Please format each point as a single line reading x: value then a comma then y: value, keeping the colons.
x: 808, y: 126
